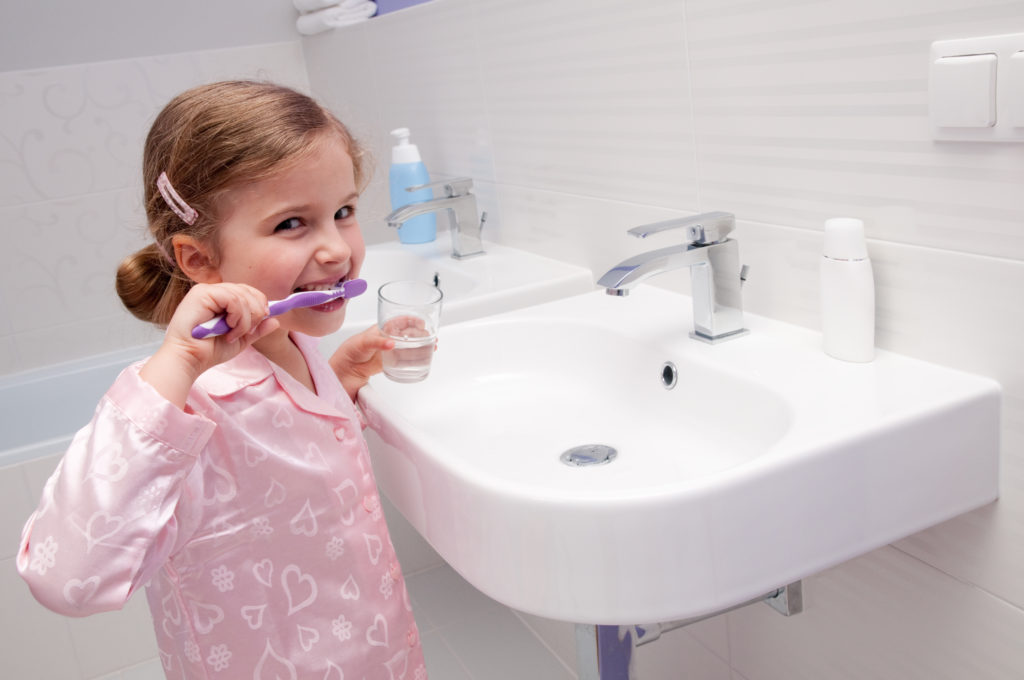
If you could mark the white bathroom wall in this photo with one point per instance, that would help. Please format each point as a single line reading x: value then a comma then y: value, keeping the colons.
x: 581, y: 118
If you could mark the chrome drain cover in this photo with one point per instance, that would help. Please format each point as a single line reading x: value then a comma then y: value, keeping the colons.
x: 589, y: 454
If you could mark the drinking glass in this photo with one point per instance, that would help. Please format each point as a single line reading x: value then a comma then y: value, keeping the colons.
x: 409, y: 313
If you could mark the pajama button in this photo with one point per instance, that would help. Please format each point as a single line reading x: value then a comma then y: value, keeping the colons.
x: 395, y: 570
x: 412, y: 637
x: 340, y: 434
x: 371, y: 504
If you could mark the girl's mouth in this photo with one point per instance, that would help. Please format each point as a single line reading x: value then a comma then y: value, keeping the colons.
x: 321, y: 286
x: 326, y: 307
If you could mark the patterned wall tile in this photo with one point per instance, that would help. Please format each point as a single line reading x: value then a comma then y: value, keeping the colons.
x: 70, y: 201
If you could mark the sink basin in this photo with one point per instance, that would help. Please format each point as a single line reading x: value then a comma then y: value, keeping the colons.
x: 500, y: 280
x: 766, y: 462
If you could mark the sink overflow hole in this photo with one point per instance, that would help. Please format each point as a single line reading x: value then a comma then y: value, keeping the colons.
x: 669, y: 375
x: 589, y: 454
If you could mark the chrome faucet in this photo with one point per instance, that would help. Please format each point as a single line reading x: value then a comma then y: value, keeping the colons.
x: 466, y: 223
x: 715, y: 272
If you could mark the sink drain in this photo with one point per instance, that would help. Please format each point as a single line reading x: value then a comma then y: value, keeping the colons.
x: 669, y: 375
x: 589, y: 454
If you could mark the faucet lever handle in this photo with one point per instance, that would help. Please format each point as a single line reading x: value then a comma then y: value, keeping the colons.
x: 453, y: 188
x: 703, y: 229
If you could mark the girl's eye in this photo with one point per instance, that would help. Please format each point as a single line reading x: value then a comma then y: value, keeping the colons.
x: 344, y: 212
x: 288, y: 224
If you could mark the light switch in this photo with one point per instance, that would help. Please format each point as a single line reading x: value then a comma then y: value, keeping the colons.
x: 1015, y: 91
x: 963, y: 91
x: 976, y: 89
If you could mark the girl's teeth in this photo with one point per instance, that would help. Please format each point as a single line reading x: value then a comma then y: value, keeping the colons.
x: 322, y: 286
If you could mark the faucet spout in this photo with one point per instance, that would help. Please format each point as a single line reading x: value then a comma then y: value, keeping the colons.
x: 621, y: 278
x: 715, y: 273
x: 466, y: 222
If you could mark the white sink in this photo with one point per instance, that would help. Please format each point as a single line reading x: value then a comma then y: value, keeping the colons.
x: 500, y: 280
x: 766, y: 463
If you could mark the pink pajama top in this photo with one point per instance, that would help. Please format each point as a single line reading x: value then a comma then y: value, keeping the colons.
x: 252, y: 517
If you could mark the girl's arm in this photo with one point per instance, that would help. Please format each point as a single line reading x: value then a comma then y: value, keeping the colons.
x: 358, y: 359
x: 109, y: 519
x: 181, y: 358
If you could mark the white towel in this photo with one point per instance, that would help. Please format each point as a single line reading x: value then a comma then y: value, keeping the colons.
x: 332, y: 17
x: 312, y: 5
x: 305, y: 6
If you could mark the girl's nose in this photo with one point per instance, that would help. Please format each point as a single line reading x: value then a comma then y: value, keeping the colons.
x: 333, y: 248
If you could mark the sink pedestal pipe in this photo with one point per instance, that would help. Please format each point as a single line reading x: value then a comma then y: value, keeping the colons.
x: 606, y: 652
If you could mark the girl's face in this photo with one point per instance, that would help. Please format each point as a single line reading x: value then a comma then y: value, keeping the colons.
x: 296, y: 230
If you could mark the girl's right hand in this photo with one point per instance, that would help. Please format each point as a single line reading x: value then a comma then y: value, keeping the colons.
x: 181, y: 359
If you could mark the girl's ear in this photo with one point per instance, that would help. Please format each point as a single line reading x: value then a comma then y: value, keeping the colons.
x: 195, y: 259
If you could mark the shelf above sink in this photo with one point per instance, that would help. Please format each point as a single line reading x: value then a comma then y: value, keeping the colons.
x: 766, y: 462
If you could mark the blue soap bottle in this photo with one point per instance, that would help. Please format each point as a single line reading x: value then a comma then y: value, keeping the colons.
x: 407, y: 170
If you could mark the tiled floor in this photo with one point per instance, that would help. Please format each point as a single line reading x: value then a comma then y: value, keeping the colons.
x: 465, y: 634
x: 468, y: 636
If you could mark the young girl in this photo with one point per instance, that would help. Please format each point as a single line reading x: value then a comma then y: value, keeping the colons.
x: 229, y: 475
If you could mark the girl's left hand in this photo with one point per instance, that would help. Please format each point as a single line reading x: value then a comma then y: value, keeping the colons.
x: 358, y: 359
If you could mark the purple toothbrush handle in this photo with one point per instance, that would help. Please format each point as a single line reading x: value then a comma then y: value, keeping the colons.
x: 213, y: 327
x: 349, y: 289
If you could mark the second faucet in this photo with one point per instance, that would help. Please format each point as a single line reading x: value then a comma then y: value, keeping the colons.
x: 466, y: 222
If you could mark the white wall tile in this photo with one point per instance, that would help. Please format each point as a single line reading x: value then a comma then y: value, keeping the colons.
x: 808, y: 111
x: 590, y: 98
x: 15, y: 506
x: 447, y: 103
x: 399, y: 71
x: 584, y: 230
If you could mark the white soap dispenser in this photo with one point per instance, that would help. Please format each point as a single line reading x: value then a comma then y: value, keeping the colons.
x: 847, y: 292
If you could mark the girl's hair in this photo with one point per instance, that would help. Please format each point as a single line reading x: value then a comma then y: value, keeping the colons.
x: 209, y: 140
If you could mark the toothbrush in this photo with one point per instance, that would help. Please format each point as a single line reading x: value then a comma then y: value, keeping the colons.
x: 307, y: 298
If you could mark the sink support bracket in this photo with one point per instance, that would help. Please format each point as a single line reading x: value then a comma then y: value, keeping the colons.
x: 606, y: 652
